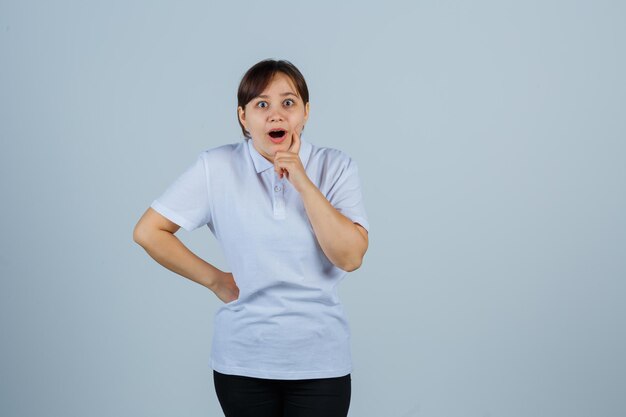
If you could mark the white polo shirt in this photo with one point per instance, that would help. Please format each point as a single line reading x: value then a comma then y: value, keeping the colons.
x: 288, y: 322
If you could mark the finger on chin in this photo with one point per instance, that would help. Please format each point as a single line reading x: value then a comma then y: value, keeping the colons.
x: 295, y: 143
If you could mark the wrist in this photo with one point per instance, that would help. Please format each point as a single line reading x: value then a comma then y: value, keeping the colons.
x: 212, y: 279
x: 309, y: 188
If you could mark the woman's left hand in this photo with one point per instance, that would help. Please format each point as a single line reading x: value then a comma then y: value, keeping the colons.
x: 288, y: 163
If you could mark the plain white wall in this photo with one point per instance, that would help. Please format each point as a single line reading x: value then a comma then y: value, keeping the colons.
x: 490, y: 142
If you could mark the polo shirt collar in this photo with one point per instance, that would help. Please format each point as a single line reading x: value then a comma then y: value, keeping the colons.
x: 261, y: 164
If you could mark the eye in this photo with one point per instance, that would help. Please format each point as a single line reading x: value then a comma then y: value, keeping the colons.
x: 258, y: 104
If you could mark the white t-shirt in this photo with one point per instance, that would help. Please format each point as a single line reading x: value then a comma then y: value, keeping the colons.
x: 288, y: 322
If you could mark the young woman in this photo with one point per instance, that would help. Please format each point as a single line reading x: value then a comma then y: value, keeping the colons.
x: 290, y: 218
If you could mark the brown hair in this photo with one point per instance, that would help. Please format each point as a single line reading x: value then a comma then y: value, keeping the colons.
x: 259, y: 76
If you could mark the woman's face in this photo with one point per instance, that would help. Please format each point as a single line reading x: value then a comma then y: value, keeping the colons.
x: 278, y: 107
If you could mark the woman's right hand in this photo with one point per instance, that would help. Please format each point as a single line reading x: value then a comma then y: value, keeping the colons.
x: 226, y: 288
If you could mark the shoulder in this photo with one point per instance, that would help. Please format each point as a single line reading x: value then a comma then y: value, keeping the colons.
x: 332, y: 162
x: 330, y: 157
x: 222, y: 153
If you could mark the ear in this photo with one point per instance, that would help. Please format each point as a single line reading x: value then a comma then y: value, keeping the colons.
x: 306, y: 112
x: 242, y: 116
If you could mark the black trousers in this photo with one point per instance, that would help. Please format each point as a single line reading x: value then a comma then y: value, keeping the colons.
x: 244, y: 396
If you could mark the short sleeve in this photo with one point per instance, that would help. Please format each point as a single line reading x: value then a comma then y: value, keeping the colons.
x: 186, y: 201
x: 345, y: 195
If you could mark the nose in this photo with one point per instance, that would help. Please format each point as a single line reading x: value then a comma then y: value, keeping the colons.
x: 276, y: 116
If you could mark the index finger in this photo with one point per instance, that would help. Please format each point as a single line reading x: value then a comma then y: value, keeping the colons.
x: 295, y: 143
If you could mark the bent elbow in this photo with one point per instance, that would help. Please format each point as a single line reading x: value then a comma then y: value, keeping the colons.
x: 353, y: 266
x: 139, y: 235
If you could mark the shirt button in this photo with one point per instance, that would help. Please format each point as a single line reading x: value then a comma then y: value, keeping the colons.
x: 277, y: 188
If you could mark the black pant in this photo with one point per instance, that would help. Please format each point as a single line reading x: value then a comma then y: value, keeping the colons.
x: 244, y: 396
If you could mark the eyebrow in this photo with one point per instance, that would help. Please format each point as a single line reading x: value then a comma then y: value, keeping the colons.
x: 283, y: 94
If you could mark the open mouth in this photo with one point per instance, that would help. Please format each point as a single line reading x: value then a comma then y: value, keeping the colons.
x: 277, y: 134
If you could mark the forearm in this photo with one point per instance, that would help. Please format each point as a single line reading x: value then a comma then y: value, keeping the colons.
x: 337, y: 235
x: 169, y: 251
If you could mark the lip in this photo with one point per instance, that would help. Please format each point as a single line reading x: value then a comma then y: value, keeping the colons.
x: 278, y: 140
x: 277, y: 128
